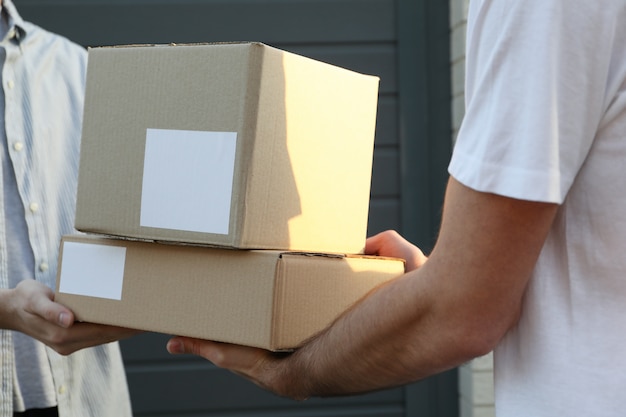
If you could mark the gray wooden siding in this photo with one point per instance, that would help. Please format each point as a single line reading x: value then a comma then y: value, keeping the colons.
x: 357, y: 34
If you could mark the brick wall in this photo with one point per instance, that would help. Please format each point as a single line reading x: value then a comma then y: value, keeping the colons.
x: 476, y: 377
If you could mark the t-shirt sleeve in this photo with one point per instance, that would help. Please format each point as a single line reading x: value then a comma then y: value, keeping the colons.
x: 535, y: 94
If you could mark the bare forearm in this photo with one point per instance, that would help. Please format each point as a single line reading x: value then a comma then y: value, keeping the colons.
x: 456, y: 306
x: 386, y: 341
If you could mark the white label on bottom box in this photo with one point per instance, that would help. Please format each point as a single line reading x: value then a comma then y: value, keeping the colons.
x: 92, y: 270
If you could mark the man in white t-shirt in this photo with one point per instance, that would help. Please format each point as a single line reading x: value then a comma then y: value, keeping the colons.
x: 529, y: 260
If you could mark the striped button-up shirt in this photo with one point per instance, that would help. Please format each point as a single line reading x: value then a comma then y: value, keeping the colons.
x: 42, y: 78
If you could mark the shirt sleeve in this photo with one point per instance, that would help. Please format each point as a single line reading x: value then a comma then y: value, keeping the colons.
x: 536, y: 75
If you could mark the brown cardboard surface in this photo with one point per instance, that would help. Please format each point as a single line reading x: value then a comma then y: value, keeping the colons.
x: 269, y: 299
x: 304, y: 142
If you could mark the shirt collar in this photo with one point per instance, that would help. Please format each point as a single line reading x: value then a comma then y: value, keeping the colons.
x: 17, y: 28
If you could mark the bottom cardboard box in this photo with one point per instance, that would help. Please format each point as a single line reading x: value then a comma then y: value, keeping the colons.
x: 268, y: 299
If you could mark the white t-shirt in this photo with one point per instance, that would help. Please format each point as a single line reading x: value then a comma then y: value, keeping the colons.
x: 546, y: 121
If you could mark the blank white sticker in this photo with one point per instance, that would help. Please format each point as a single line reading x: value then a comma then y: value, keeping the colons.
x: 188, y: 180
x: 93, y: 270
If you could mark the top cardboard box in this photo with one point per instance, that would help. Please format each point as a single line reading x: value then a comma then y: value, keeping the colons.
x: 238, y: 145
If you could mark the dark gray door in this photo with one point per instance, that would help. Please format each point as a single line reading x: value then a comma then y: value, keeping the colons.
x: 405, y: 43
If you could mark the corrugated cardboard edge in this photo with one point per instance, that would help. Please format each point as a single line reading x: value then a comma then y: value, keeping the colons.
x: 157, y: 45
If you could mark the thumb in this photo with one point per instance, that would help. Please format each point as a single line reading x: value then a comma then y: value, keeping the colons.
x: 38, y: 299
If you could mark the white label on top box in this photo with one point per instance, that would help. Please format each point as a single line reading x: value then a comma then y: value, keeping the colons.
x: 188, y: 180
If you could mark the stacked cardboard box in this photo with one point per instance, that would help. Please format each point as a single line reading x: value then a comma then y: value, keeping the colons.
x: 232, y: 181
